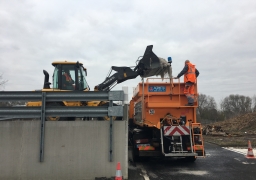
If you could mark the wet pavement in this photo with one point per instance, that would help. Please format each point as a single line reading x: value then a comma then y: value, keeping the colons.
x: 219, y: 163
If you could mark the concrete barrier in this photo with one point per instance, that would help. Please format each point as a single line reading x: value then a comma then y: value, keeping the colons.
x: 72, y: 150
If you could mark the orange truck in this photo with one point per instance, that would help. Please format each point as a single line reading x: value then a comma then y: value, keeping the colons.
x: 160, y: 124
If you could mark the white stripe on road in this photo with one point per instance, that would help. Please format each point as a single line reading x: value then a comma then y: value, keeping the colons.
x: 198, y: 173
x: 145, y: 174
x: 237, y: 159
x: 242, y: 151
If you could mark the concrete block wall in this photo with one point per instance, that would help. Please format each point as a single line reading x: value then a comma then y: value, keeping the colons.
x: 72, y: 150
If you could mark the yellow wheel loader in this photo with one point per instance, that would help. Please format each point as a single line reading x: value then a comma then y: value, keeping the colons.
x: 71, y: 76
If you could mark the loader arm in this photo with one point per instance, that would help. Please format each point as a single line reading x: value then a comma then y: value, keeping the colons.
x: 148, y: 65
x: 122, y: 74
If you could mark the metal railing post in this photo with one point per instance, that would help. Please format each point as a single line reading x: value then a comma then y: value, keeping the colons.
x: 111, y: 135
x: 42, y: 128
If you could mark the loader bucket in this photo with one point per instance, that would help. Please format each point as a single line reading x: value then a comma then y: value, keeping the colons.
x: 150, y: 64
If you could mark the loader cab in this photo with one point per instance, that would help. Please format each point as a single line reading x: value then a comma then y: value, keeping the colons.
x: 69, y: 76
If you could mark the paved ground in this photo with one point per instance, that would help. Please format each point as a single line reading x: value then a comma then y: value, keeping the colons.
x: 219, y: 163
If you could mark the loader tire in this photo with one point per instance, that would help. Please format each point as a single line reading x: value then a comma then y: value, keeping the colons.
x: 57, y: 118
x: 106, y: 118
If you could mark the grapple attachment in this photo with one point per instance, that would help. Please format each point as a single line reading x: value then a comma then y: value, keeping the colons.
x: 151, y: 65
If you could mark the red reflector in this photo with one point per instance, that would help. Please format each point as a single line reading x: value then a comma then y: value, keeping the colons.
x: 145, y: 148
x: 196, y: 148
x: 199, y: 148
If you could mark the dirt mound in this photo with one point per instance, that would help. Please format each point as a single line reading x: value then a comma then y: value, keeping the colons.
x: 233, y: 132
x: 240, y: 124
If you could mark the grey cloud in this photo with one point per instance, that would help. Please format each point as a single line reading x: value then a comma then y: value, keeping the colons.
x: 217, y: 36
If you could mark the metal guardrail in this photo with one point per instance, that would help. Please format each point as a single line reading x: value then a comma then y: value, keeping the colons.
x: 64, y: 111
x: 61, y: 111
x: 62, y: 96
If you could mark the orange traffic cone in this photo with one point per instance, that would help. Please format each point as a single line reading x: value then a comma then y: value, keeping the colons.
x: 250, y: 151
x: 118, y: 172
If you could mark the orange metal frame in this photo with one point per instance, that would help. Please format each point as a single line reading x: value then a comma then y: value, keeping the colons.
x: 157, y: 104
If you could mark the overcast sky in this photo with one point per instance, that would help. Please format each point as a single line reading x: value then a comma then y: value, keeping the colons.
x: 218, y: 36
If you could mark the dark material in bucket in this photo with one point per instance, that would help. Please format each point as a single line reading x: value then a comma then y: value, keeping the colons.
x: 149, y: 65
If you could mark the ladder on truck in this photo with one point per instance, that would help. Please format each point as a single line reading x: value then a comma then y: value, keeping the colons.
x: 176, y: 140
x: 197, y: 139
x: 175, y: 132
x: 176, y: 144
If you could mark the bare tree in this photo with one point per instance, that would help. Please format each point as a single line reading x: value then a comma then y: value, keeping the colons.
x: 8, y: 103
x: 2, y: 82
x: 254, y: 103
x: 207, y: 108
x: 206, y: 102
x: 234, y: 105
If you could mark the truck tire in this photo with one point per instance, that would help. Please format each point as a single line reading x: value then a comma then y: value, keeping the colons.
x: 190, y: 158
x: 135, y: 156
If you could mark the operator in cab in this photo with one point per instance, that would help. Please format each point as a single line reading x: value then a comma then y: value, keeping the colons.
x: 67, y: 81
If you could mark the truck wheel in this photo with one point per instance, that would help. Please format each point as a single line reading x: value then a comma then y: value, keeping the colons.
x: 135, y: 156
x: 190, y: 158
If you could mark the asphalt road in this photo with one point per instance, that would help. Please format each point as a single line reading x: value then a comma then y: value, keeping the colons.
x: 218, y: 164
